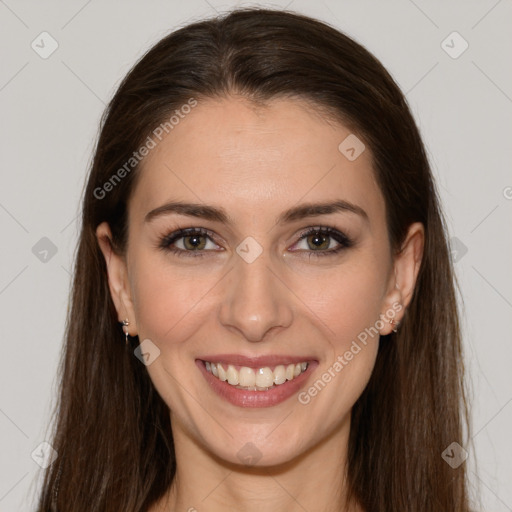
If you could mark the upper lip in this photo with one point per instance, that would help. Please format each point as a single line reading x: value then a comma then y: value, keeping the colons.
x: 256, y: 361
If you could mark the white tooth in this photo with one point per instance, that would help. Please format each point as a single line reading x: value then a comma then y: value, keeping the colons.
x: 232, y: 375
x: 222, y: 372
x: 279, y: 374
x: 261, y: 380
x: 246, y: 376
x: 264, y: 377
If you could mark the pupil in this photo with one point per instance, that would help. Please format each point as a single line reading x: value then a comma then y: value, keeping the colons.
x: 318, y: 239
x: 194, y: 241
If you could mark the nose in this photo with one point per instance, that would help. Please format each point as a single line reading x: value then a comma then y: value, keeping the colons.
x: 255, y: 301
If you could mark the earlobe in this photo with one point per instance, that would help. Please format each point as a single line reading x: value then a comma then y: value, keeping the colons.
x: 393, y: 312
x: 117, y: 279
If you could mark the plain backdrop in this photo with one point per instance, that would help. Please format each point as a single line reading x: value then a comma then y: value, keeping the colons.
x: 462, y: 100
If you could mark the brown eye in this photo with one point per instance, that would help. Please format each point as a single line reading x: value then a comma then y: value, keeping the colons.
x: 322, y: 241
x: 194, y: 242
x: 189, y: 242
x: 318, y: 241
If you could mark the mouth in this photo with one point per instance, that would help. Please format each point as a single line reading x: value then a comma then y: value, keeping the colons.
x: 256, y: 382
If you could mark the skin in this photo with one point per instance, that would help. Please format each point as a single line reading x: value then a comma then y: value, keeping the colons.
x: 255, y: 163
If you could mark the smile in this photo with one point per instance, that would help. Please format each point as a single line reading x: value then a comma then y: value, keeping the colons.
x: 263, y: 381
x: 255, y: 379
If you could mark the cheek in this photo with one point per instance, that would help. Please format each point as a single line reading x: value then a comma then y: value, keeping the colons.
x: 170, y: 307
x: 170, y: 301
x: 349, y: 308
x: 347, y: 298
x: 348, y: 301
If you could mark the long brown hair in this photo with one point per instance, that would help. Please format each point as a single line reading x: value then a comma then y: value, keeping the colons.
x: 112, y: 429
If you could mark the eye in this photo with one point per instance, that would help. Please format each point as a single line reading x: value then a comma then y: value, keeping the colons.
x: 323, y: 241
x: 188, y: 242
x: 195, y: 242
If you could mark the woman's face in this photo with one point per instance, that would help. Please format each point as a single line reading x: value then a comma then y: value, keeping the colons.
x: 253, y: 289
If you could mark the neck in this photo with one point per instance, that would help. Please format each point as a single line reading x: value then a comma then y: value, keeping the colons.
x: 314, y: 480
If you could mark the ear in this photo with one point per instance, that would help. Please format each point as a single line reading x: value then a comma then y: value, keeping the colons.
x: 117, y: 279
x: 403, y: 280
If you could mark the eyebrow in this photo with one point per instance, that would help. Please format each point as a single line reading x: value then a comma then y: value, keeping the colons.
x: 219, y: 214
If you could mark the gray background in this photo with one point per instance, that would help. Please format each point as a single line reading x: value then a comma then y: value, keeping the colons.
x: 50, y: 114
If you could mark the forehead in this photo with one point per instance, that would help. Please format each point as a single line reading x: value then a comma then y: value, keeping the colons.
x: 255, y: 160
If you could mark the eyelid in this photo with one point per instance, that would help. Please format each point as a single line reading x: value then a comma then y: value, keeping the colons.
x: 165, y: 242
x: 320, y: 229
x: 344, y: 241
x: 172, y: 237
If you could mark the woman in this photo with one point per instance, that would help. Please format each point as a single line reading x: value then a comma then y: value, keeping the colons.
x: 263, y: 311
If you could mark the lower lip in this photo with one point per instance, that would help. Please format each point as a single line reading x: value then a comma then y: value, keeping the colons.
x: 244, y: 398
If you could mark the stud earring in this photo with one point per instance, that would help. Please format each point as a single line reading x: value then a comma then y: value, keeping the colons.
x: 395, y: 323
x: 125, y: 324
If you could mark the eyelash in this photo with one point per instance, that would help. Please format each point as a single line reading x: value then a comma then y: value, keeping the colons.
x: 166, y: 241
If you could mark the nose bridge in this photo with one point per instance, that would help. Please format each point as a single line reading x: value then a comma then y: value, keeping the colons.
x: 255, y: 300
